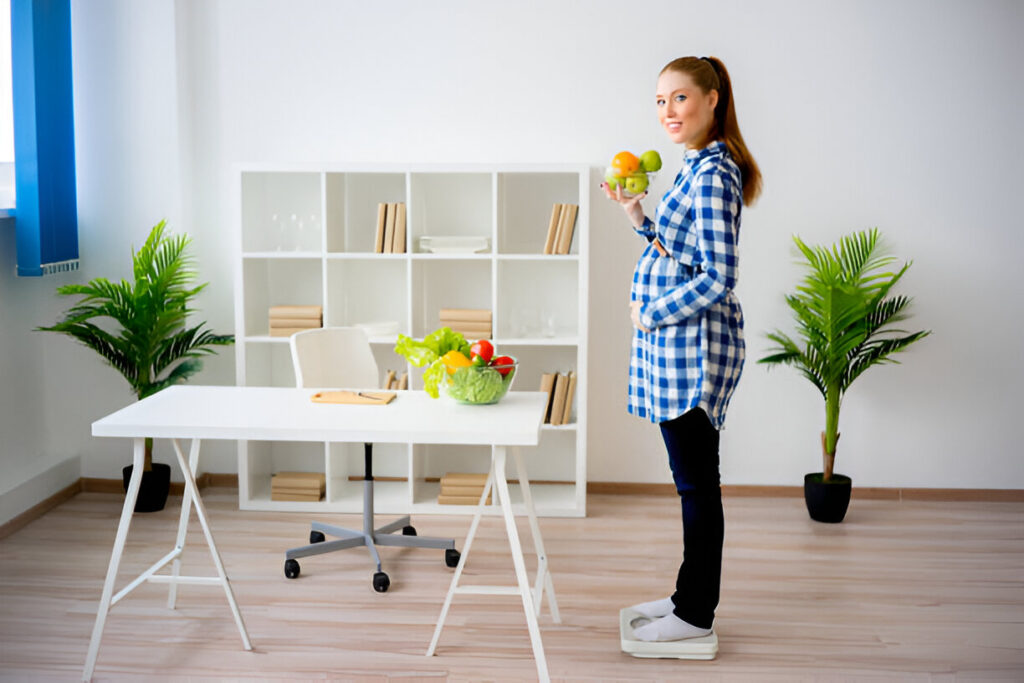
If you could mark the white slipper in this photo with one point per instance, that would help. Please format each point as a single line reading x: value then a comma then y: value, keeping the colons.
x: 705, y: 647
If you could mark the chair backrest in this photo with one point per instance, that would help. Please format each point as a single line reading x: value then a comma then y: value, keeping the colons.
x: 334, y: 358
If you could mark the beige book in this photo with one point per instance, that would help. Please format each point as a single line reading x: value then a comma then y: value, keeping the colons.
x: 463, y: 325
x: 464, y: 479
x: 378, y: 244
x: 473, y: 335
x: 296, y: 312
x: 570, y: 393
x: 299, y: 479
x: 403, y: 383
x: 460, y: 500
x: 558, y: 399
x: 547, y: 385
x: 389, y: 229
x: 398, y: 246
x: 549, y: 244
x: 466, y: 314
x: 296, y: 490
x: 459, y: 490
x: 288, y: 331
x: 296, y: 498
x: 295, y: 322
x: 566, y: 228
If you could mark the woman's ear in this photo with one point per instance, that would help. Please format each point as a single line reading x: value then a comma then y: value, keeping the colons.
x: 713, y: 98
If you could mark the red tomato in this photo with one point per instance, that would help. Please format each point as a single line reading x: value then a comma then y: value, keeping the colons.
x: 484, y: 349
x: 503, y: 364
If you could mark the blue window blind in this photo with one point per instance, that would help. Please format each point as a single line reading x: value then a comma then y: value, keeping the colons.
x: 46, y: 217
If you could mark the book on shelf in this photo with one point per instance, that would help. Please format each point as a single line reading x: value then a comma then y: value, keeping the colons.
x: 288, y: 331
x: 466, y: 314
x: 398, y: 244
x: 549, y: 243
x: 390, y: 380
x: 378, y: 244
x: 298, y: 486
x: 570, y: 392
x: 287, y: 320
x: 558, y: 398
x: 302, y: 323
x: 403, y: 383
x: 389, y: 229
x: 561, y: 390
x: 547, y: 385
x: 566, y: 228
x: 290, y: 311
x: 464, y: 326
x: 462, y: 488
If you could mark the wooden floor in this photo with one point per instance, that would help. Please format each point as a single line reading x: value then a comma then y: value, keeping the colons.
x: 901, y: 591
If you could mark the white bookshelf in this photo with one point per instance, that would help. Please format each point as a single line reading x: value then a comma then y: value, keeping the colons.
x: 305, y: 235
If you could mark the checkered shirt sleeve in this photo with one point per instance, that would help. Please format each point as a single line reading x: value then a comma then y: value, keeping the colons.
x: 715, y: 210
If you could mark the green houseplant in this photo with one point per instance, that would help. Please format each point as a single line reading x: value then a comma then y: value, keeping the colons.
x: 144, y: 334
x: 844, y: 317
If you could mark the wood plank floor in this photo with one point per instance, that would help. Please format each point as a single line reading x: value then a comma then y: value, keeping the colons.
x: 903, y: 591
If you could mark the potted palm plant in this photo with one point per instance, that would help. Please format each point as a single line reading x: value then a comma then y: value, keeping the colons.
x: 144, y: 334
x: 844, y: 314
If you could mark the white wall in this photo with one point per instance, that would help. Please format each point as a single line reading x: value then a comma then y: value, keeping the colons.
x: 896, y: 115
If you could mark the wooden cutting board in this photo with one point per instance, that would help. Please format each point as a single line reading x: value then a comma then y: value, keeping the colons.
x: 369, y: 398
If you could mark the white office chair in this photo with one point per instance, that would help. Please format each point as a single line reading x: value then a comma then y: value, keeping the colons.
x: 341, y: 358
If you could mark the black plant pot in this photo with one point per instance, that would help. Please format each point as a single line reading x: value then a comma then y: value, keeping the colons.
x: 827, y: 500
x: 153, y: 489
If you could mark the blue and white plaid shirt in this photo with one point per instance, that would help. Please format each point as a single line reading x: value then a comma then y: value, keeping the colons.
x: 693, y: 355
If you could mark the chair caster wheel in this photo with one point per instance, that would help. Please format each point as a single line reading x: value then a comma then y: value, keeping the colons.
x: 451, y: 557
x: 291, y: 569
x: 408, y: 530
x: 316, y: 537
x: 381, y: 582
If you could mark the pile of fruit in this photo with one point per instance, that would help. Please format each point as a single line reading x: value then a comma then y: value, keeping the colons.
x: 471, y: 373
x: 631, y: 172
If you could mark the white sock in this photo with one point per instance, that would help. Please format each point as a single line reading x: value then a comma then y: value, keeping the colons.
x: 655, y: 608
x: 669, y: 627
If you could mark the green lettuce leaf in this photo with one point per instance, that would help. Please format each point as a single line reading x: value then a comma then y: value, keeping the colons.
x: 433, y: 346
x: 478, y: 385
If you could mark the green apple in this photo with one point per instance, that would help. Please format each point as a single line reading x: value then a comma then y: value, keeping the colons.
x: 636, y: 183
x: 613, y: 180
x: 650, y: 161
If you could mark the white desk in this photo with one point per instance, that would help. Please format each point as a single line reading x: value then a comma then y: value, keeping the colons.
x: 275, y: 414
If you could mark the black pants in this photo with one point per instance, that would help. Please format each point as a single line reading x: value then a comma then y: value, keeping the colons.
x: 692, y: 443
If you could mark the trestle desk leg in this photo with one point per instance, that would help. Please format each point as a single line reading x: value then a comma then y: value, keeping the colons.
x: 186, y: 510
x: 462, y: 560
x: 520, y: 565
x: 138, y: 462
x: 190, y: 488
x: 543, y: 580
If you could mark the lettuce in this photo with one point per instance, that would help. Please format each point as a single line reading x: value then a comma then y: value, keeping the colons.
x: 428, y: 353
x: 479, y: 385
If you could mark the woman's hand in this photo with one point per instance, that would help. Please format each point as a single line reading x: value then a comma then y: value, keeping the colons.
x: 634, y: 315
x: 631, y: 205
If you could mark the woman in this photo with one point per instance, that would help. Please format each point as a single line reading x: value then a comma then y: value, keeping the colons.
x: 688, y: 344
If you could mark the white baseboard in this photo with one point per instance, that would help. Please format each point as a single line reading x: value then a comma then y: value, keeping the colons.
x: 40, y: 487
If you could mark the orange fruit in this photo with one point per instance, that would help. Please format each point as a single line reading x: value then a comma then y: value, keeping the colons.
x: 625, y: 163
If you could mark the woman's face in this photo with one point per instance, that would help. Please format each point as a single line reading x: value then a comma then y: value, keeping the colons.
x: 684, y: 111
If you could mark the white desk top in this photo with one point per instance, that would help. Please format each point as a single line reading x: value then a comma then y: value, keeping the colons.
x: 286, y: 414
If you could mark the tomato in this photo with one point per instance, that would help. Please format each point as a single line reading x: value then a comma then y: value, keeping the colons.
x: 503, y: 364
x: 484, y: 349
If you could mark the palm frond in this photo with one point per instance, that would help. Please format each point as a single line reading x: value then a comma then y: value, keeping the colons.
x: 153, y: 346
x: 843, y: 315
